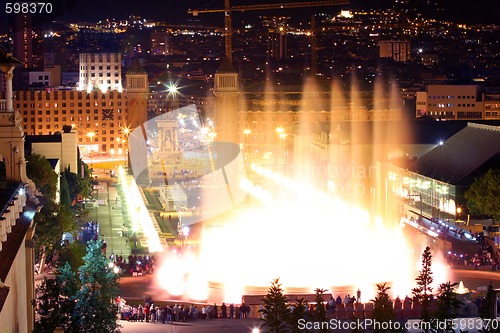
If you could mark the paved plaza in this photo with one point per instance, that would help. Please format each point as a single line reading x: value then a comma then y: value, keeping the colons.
x: 205, y: 326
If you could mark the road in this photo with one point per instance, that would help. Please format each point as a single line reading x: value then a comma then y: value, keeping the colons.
x: 205, y: 326
x: 110, y: 219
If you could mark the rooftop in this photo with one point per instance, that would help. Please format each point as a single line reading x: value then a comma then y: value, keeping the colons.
x: 461, y: 155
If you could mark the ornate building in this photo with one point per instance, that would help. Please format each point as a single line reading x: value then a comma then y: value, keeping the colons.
x: 18, y: 204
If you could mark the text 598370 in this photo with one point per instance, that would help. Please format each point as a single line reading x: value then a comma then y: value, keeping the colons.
x: 28, y: 7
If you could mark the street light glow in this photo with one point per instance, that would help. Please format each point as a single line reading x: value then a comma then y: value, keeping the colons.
x: 172, y: 89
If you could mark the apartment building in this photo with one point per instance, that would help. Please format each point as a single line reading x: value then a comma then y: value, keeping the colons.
x: 100, y: 71
x: 457, y: 102
x: 99, y: 118
x: 398, y: 50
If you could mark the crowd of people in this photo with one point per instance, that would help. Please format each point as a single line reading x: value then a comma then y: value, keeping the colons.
x: 484, y: 257
x: 167, y: 314
x: 134, y: 265
x: 141, y: 264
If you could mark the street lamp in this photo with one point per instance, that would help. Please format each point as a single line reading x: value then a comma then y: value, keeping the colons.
x: 173, y: 91
x: 91, y: 136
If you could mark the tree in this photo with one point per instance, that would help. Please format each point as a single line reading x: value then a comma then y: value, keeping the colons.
x: 275, y: 310
x: 486, y: 310
x: 86, y: 300
x: 68, y: 284
x: 48, y: 307
x: 55, y: 302
x: 41, y: 173
x: 422, y: 293
x: 51, y: 222
x: 77, y: 183
x: 319, y: 313
x: 383, y: 311
x: 483, y: 197
x: 72, y: 254
x: 65, y: 196
x: 95, y: 308
x: 299, y: 311
x: 447, y: 306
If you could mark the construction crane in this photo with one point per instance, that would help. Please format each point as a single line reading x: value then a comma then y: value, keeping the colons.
x: 228, y: 9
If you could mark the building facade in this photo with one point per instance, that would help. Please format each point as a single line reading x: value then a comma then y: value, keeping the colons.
x: 99, y: 118
x: 457, y: 102
x: 160, y: 43
x: 137, y: 89
x: 18, y: 206
x: 100, y: 71
x: 398, y: 50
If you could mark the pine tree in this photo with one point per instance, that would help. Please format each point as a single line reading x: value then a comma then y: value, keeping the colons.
x: 48, y: 308
x: 319, y: 313
x: 95, y: 310
x: 447, y: 306
x: 275, y: 310
x: 298, y: 312
x: 65, y: 196
x: 486, y: 310
x: 423, y: 292
x: 68, y: 286
x: 383, y: 311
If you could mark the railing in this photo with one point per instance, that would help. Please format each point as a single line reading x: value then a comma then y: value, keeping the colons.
x: 10, y: 212
x: 3, y: 105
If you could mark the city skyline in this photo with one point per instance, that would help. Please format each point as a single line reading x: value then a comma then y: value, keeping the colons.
x: 469, y: 12
x: 460, y: 11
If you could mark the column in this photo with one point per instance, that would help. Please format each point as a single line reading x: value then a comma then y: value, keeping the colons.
x: 8, y: 93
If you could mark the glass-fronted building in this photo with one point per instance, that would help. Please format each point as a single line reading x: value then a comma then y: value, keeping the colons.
x: 425, y: 196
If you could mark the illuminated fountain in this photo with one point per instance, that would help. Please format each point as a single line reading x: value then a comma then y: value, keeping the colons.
x: 467, y: 308
x: 293, y: 227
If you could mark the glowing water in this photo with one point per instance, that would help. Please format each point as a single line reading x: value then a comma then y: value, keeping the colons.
x: 305, y: 237
x: 461, y: 289
x: 308, y: 238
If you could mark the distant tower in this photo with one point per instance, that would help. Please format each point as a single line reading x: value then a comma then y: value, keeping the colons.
x: 226, y: 91
x: 28, y: 37
x: 160, y: 43
x: 137, y: 89
x: 277, y: 43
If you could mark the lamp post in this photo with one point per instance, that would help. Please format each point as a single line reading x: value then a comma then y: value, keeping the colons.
x: 91, y: 136
x: 459, y: 212
x: 173, y: 91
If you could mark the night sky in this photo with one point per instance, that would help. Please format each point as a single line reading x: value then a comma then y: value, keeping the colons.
x: 175, y: 11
